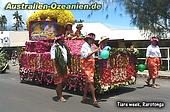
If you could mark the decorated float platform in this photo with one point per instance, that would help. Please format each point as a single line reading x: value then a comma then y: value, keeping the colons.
x: 36, y: 66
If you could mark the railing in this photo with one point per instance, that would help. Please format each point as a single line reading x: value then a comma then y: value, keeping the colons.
x: 165, y: 52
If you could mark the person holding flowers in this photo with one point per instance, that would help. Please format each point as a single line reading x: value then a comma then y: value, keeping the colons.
x: 153, y: 61
x: 88, y: 67
x: 61, y: 61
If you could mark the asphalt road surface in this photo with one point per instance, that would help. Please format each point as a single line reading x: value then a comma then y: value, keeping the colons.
x: 22, y: 97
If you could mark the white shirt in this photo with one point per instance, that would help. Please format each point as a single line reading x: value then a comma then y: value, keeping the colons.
x: 153, y: 51
x: 85, y: 50
x: 63, y: 50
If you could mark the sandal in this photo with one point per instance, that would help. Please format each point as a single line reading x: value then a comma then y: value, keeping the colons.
x: 155, y: 86
x: 62, y: 100
x: 96, y: 104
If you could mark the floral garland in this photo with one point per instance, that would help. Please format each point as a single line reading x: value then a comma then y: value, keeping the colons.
x: 35, y: 76
x: 37, y: 67
x: 62, y: 17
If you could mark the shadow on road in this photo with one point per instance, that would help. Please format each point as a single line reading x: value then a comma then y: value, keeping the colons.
x: 141, y: 87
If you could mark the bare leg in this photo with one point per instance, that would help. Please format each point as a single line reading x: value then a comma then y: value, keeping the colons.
x: 92, y: 89
x: 153, y: 81
x: 59, y: 89
x: 95, y: 103
x: 85, y: 91
x: 148, y: 81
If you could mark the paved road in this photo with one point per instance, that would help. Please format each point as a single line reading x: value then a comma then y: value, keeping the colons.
x: 19, y: 97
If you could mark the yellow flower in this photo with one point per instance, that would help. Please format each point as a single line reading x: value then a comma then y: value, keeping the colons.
x: 62, y: 17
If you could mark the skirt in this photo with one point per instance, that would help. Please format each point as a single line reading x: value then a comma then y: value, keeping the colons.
x: 153, y: 66
x: 88, y: 67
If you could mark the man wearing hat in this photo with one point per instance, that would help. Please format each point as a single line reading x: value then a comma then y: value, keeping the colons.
x: 61, y: 59
x: 102, y: 43
x: 88, y: 66
x: 153, y: 61
x: 78, y: 31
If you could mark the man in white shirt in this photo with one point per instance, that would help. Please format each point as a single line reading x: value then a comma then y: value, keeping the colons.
x: 88, y: 66
x: 61, y: 59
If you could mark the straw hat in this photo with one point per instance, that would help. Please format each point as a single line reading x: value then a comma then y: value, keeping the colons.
x: 102, y: 39
x: 79, y: 26
x: 68, y: 24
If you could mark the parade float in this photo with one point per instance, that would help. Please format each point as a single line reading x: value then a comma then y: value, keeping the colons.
x: 36, y: 65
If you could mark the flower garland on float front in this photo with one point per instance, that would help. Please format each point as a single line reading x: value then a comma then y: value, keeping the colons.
x: 120, y: 73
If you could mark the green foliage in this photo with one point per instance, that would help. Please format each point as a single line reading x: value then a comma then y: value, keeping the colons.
x: 152, y: 15
x: 3, y: 22
x: 3, y: 59
x: 19, y: 22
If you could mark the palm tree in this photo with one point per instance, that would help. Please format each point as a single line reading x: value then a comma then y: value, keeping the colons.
x: 1, y: 22
x: 19, y: 22
x: 4, y: 22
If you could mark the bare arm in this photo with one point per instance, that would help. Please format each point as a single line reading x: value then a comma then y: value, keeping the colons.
x: 90, y: 54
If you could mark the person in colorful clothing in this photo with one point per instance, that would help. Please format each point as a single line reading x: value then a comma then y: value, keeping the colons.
x: 61, y: 61
x: 88, y: 66
x: 153, y: 61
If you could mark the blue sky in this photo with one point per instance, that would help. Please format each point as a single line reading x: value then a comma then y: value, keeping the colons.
x: 114, y: 19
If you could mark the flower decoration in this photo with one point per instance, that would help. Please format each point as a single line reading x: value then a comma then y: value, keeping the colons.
x: 37, y: 66
x: 61, y: 17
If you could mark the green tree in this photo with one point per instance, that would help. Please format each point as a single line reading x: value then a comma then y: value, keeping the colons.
x: 79, y: 21
x: 19, y: 22
x: 149, y: 15
x: 152, y: 15
x: 3, y: 22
